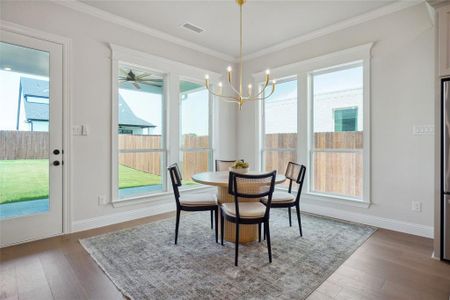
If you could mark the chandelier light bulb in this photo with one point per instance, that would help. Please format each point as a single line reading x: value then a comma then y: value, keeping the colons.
x: 206, y: 76
x: 267, y: 72
x: 274, y: 81
x: 220, y: 84
x: 229, y: 69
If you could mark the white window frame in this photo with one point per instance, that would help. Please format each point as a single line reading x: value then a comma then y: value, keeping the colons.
x: 311, y: 149
x: 262, y: 143
x: 303, y: 70
x: 210, y: 130
x: 173, y: 72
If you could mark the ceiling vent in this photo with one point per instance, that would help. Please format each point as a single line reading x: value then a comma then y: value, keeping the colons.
x: 192, y: 27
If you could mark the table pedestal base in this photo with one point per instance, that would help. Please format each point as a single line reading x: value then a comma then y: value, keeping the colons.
x: 247, y: 233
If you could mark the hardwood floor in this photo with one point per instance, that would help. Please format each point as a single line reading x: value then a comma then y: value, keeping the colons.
x: 390, y: 265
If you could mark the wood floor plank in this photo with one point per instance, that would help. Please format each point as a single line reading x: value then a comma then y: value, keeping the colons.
x: 389, y: 265
x: 63, y: 282
x: 8, y: 284
x: 31, y: 281
x: 92, y: 278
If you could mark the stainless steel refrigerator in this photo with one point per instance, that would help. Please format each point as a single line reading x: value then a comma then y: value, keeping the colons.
x: 445, y: 170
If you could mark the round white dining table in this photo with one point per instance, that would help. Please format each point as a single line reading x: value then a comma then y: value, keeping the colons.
x: 247, y: 233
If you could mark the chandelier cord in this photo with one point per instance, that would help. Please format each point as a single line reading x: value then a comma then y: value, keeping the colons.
x: 240, y: 98
x: 240, y: 51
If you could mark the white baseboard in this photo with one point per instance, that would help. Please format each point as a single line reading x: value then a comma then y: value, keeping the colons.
x: 166, y: 205
x: 391, y: 224
x: 151, y: 210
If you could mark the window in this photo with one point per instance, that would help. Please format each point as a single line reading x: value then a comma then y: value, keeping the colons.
x: 141, y: 140
x: 279, y: 134
x: 336, y: 147
x: 195, y: 129
x: 40, y: 100
x: 345, y: 119
x: 159, y: 117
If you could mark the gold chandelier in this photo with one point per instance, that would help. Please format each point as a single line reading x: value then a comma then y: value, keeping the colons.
x: 239, y: 97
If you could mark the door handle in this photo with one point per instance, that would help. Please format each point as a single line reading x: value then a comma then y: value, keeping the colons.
x: 56, y: 152
x: 56, y: 163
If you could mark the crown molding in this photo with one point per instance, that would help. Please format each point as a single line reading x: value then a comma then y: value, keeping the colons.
x: 371, y: 15
x: 112, y: 18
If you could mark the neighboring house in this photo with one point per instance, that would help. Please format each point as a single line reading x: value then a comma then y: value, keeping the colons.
x: 129, y: 123
x: 33, y: 110
x: 333, y: 112
x: 338, y: 111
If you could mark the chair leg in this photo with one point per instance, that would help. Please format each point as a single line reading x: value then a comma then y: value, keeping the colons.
x: 177, y: 224
x: 269, y: 246
x: 290, y: 218
x: 236, y: 245
x: 216, y: 211
x: 297, y: 208
x: 259, y: 232
x: 264, y: 231
x: 211, y: 219
x: 221, y: 228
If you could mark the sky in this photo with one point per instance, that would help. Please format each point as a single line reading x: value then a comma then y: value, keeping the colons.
x: 194, y: 107
x: 194, y: 110
x: 195, y: 113
x: 338, y: 80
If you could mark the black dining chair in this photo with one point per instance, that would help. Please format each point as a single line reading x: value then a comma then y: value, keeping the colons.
x: 224, y: 165
x: 243, y: 186
x: 281, y: 199
x: 191, y: 202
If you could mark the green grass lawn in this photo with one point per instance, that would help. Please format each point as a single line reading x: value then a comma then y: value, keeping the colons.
x: 22, y: 180
x: 129, y: 177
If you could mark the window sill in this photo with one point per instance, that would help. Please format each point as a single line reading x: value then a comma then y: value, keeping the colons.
x: 336, y: 200
x: 155, y: 198
x: 149, y: 198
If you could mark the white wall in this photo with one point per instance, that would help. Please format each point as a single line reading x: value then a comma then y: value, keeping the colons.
x: 91, y: 95
x: 402, y: 73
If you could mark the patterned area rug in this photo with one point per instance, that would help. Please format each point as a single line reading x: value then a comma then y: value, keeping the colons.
x: 144, y: 263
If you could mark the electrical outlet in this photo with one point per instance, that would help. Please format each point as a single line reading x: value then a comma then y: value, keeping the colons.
x: 416, y: 206
x: 423, y: 129
x: 102, y: 200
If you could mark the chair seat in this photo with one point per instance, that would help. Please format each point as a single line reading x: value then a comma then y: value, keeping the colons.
x: 280, y: 197
x: 247, y: 210
x: 198, y: 200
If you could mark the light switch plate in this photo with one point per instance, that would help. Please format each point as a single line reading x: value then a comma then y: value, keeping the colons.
x: 76, y: 130
x: 423, y: 129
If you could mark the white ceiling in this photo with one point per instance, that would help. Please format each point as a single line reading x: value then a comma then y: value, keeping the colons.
x: 266, y: 23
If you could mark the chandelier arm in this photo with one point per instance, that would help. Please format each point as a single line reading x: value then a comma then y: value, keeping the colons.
x: 264, y: 97
x: 266, y: 84
x: 222, y: 96
x: 232, y: 87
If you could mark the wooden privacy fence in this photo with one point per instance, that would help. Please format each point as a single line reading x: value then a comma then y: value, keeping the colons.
x: 23, y: 145
x: 150, y: 162
x: 334, y: 171
x: 339, y: 172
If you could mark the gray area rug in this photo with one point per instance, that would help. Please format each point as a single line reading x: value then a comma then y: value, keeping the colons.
x: 144, y: 263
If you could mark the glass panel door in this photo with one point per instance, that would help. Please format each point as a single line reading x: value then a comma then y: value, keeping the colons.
x: 30, y: 138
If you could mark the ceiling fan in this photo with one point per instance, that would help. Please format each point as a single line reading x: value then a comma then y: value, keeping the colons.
x: 137, y: 79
